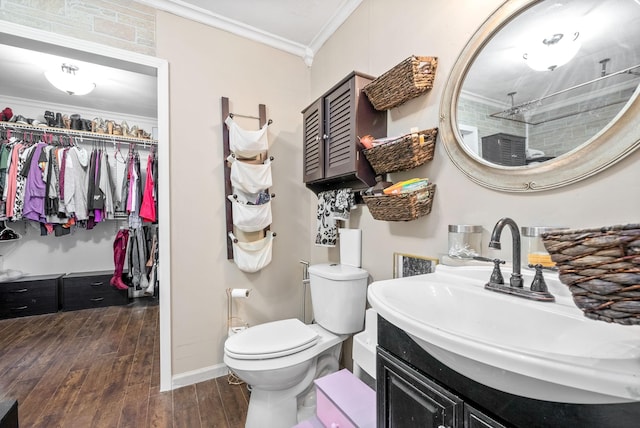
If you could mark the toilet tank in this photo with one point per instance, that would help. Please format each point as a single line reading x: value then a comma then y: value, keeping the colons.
x: 338, y: 296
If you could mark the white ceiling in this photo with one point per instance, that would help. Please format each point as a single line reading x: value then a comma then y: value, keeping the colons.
x: 299, y: 27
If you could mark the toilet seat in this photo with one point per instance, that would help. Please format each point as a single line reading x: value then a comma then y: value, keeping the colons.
x: 271, y: 340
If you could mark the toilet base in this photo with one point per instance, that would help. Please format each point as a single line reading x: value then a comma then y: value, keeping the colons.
x: 284, y: 409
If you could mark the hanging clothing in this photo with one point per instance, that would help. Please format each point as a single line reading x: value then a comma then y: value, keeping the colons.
x: 12, y: 173
x: 148, y: 206
x: 35, y: 187
x: 106, y: 187
x: 137, y: 251
x: 75, y: 182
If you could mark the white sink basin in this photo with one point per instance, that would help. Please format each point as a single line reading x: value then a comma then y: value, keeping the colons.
x: 543, y: 350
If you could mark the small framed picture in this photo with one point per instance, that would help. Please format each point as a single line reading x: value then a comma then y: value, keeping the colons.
x: 411, y: 264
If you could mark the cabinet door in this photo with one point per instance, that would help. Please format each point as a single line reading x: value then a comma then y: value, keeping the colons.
x: 313, y: 151
x: 474, y: 418
x: 406, y: 398
x: 340, y: 130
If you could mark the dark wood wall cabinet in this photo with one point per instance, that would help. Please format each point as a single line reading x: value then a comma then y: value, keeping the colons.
x: 414, y: 389
x: 90, y: 290
x: 504, y: 149
x: 30, y: 295
x: 332, y: 155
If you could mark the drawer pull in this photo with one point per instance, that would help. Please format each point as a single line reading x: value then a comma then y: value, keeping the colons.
x: 19, y: 308
x: 97, y: 299
x: 97, y: 283
x: 21, y: 290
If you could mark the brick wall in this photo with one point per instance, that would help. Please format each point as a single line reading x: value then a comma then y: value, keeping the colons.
x: 122, y: 24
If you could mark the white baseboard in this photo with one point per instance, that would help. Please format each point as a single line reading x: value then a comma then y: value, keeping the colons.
x: 200, y: 375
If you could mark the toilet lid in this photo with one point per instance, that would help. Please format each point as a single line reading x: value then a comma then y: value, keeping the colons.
x: 271, y: 340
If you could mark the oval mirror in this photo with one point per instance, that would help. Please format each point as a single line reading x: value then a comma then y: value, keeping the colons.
x: 545, y: 93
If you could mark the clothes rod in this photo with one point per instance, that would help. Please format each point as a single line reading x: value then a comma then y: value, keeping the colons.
x: 79, y: 134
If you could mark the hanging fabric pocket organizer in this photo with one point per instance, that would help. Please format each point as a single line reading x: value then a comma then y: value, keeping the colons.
x: 245, y: 143
x: 250, y: 217
x: 248, y: 177
x: 247, y: 181
x: 252, y: 256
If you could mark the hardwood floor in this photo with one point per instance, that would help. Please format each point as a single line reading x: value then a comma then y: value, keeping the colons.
x: 101, y: 368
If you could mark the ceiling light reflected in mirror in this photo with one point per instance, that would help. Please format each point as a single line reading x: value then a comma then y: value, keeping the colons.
x: 552, y: 51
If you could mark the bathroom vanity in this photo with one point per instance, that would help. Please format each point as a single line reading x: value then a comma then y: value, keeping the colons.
x: 415, y: 389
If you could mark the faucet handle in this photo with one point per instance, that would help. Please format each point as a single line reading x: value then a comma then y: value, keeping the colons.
x: 538, y: 283
x: 496, y: 275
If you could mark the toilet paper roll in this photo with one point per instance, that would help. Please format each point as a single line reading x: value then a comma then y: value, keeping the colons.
x: 237, y: 293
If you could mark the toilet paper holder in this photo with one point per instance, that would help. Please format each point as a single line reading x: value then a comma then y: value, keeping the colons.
x: 235, y: 324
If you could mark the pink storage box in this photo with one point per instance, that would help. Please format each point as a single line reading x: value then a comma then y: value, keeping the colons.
x: 345, y: 401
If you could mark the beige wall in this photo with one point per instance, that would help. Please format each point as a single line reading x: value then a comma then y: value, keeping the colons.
x: 378, y: 36
x: 205, y: 65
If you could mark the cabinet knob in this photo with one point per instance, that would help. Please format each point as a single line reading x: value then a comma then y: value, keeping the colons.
x: 325, y: 137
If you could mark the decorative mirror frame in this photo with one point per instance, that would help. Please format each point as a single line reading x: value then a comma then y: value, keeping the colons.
x: 617, y: 140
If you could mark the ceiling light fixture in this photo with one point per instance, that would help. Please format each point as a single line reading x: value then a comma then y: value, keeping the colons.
x: 67, y: 80
x: 553, y: 52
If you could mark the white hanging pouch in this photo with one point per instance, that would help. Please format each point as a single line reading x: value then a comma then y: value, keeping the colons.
x: 246, y: 143
x: 250, y: 218
x: 248, y: 177
x: 252, y: 256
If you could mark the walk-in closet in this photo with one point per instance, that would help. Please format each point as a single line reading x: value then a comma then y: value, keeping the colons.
x: 80, y: 179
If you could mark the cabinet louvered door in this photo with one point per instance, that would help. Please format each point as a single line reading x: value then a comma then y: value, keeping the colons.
x: 340, y: 146
x: 313, y: 142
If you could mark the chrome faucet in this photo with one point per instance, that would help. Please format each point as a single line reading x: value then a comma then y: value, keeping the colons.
x: 516, y: 276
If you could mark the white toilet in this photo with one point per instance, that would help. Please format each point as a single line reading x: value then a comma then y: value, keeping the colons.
x: 280, y: 359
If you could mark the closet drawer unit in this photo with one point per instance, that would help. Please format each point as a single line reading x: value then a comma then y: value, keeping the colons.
x: 90, y: 290
x: 30, y: 295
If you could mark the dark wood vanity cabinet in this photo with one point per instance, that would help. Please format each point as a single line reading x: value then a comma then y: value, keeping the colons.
x: 331, y: 126
x: 504, y: 149
x: 414, y: 389
x: 29, y: 295
x: 408, y: 399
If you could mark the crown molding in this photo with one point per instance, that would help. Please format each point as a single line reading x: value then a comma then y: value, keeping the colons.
x: 330, y: 27
x: 307, y: 53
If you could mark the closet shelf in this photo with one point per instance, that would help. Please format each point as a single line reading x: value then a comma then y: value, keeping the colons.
x: 81, y: 134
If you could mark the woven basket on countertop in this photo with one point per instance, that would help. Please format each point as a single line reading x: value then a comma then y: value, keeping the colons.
x: 401, y: 207
x: 602, y: 269
x: 407, y: 80
x: 406, y: 152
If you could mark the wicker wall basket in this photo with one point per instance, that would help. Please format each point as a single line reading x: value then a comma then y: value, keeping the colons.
x: 404, y: 153
x: 602, y: 269
x: 403, y: 207
x: 405, y: 81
